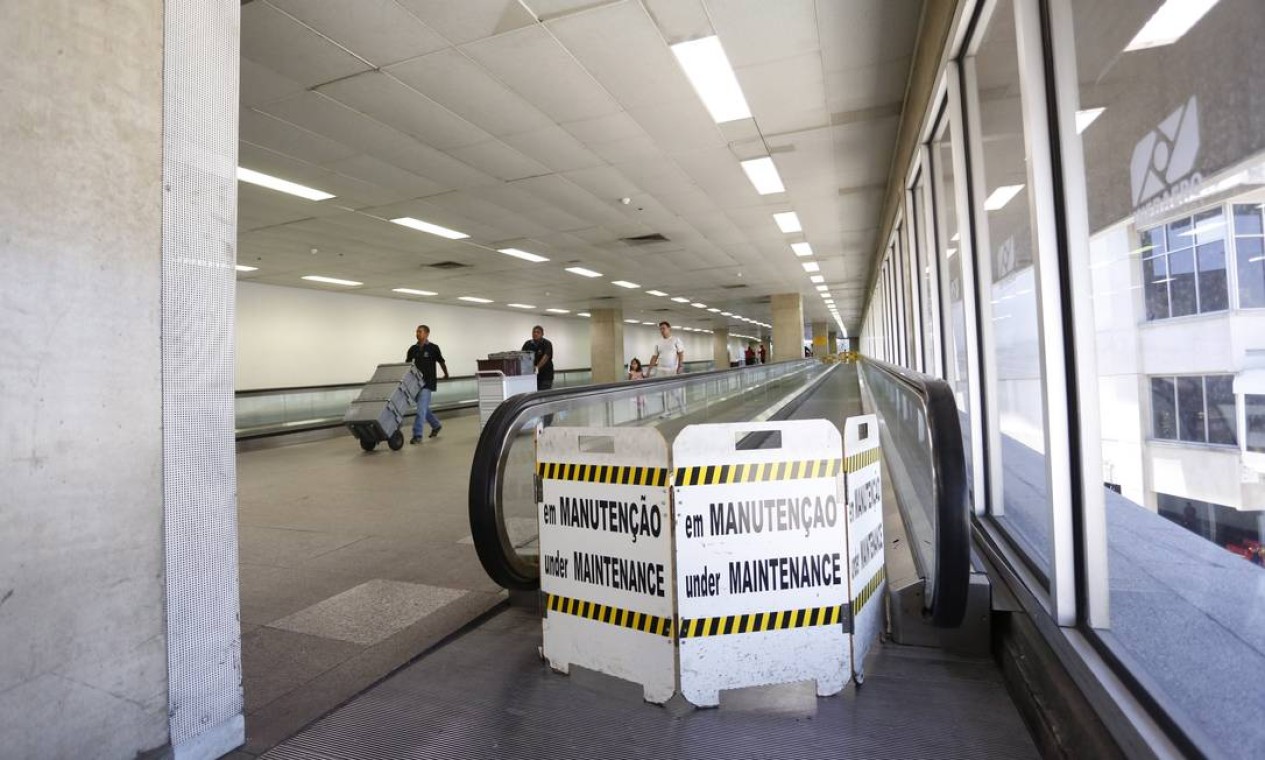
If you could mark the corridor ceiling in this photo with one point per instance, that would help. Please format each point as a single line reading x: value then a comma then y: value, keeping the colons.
x: 567, y: 128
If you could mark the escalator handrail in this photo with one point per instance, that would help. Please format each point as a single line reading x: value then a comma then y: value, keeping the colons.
x: 486, y: 527
x: 952, y: 511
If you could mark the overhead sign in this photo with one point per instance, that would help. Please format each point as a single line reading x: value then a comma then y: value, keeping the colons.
x: 606, y: 554
x: 761, y: 571
x: 866, y: 575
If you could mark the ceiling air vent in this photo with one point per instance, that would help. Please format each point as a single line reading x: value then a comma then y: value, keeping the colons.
x: 448, y: 265
x: 650, y: 239
x: 733, y: 287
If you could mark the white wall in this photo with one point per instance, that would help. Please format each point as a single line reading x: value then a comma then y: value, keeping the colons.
x: 298, y: 336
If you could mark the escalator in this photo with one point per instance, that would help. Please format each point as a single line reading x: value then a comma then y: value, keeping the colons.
x: 488, y: 693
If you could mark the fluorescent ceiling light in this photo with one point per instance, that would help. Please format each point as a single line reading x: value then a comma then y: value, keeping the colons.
x: 950, y: 253
x: 817, y: 279
x: 659, y: 293
x: 331, y: 280
x: 708, y: 70
x: 631, y: 321
x: 697, y: 305
x: 1001, y: 196
x: 412, y: 292
x: 434, y: 229
x: 583, y: 272
x: 1086, y: 117
x: 822, y: 288
x: 520, y: 306
x: 802, y: 249
x: 558, y: 311
x: 652, y: 324
x: 811, y: 266
x: 679, y: 299
x: 726, y: 314
x: 788, y: 221
x: 583, y: 314
x: 1170, y: 23
x: 714, y: 311
x: 956, y: 236
x: 625, y: 284
x: 524, y: 255
x: 763, y: 175
x: 273, y: 183
x: 474, y: 299
x: 244, y: 268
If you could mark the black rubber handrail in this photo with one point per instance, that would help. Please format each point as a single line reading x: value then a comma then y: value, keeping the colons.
x: 487, y: 527
x: 946, y: 604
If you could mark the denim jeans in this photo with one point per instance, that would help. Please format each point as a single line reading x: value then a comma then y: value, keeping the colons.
x: 424, y: 414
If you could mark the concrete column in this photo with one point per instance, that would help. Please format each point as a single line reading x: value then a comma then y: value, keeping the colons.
x: 606, y: 345
x: 832, y: 341
x: 84, y: 666
x: 821, y: 337
x: 788, y: 327
x: 720, y: 347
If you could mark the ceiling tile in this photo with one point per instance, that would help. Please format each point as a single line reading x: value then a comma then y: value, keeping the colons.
x: 680, y: 20
x: 554, y: 148
x: 533, y: 64
x: 260, y: 84
x: 273, y: 133
x: 371, y: 170
x: 393, y: 103
x: 379, y: 31
x: 276, y: 41
x: 786, y: 95
x: 499, y: 160
x: 465, y: 88
x: 469, y: 20
x: 756, y: 31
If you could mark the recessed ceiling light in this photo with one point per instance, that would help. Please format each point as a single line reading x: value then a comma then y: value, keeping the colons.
x: 524, y: 255
x: 625, y: 284
x: 412, y: 292
x: 285, y: 186
x: 763, y: 175
x: 244, y: 268
x: 1001, y: 196
x: 1086, y: 117
x: 811, y: 266
x: 558, y: 311
x: 707, y: 67
x: 520, y: 306
x: 583, y: 272
x: 680, y: 299
x: 659, y: 293
x: 434, y: 229
x: 697, y: 305
x: 802, y: 249
x: 331, y: 280
x: 474, y: 299
x: 1170, y: 23
x: 817, y: 279
x: 788, y: 221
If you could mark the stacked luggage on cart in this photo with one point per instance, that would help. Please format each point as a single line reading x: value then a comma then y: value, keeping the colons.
x: 378, y: 412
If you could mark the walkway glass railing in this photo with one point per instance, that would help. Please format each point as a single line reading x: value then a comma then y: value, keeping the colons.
x: 922, y: 446
x: 502, y: 476
x: 276, y: 411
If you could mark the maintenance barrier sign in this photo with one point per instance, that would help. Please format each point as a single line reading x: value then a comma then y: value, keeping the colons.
x: 866, y: 577
x: 606, y: 554
x: 761, y: 571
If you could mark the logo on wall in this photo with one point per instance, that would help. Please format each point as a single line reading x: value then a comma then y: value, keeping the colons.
x: 1165, y: 157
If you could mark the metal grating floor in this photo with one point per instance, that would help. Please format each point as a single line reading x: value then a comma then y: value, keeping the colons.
x: 487, y: 694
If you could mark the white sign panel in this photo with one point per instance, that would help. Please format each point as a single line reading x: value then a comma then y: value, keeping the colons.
x: 606, y: 554
x: 866, y: 575
x: 762, y: 571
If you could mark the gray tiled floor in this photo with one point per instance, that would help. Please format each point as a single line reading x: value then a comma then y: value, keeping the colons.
x: 322, y: 519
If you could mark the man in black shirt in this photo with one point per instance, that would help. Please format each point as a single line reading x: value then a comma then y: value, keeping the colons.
x: 425, y: 355
x: 542, y: 357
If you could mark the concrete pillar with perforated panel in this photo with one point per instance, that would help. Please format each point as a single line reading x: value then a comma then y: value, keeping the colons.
x: 788, y: 327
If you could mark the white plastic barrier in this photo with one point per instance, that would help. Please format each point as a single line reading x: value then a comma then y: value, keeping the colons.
x: 745, y: 567
x: 606, y: 554
x: 761, y: 559
x: 866, y: 575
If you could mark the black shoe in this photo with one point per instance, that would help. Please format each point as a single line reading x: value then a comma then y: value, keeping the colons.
x: 415, y: 439
x: 435, y: 431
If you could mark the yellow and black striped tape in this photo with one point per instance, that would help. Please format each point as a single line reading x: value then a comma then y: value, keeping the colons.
x: 757, y: 622
x: 757, y: 472
x: 866, y: 593
x: 862, y: 460
x: 602, y: 473
x: 604, y: 613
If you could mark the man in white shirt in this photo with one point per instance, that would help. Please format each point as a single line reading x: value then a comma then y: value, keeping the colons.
x: 669, y: 352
